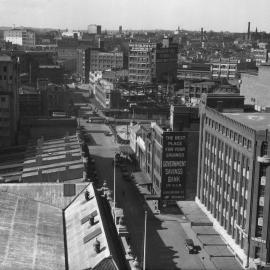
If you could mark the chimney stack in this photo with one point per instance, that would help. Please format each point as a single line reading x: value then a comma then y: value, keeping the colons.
x: 97, y: 246
x: 248, y: 34
x: 92, y: 220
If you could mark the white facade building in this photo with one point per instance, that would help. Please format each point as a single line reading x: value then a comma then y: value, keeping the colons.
x: 20, y: 37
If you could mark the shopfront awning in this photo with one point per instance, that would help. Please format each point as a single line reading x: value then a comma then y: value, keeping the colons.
x: 141, y: 178
x: 126, y: 149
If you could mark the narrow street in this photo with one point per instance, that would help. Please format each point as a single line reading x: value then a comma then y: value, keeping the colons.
x: 165, y: 239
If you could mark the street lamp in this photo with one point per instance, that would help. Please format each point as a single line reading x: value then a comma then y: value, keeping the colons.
x: 114, y: 188
x: 144, y: 240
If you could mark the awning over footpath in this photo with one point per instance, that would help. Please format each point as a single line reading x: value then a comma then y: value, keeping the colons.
x: 141, y: 178
x: 126, y: 149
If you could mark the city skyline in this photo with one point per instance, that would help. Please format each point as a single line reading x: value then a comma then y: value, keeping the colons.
x: 213, y: 15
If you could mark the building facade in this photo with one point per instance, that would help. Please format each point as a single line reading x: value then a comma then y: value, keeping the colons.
x: 232, y: 186
x: 106, y: 95
x: 142, y: 62
x: 9, y: 101
x: 260, y: 56
x: 194, y: 71
x: 22, y: 37
x: 166, y: 60
x: 224, y: 68
x: 100, y: 61
x: 168, y: 155
x: 83, y: 64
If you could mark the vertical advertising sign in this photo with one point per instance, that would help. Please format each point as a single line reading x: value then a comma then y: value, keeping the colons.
x: 174, y: 163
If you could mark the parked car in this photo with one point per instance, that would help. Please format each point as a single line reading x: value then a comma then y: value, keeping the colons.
x: 190, y: 246
x: 107, y: 133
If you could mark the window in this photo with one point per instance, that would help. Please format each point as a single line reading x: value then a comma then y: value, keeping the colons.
x: 257, y: 252
x: 264, y: 148
x: 4, y: 68
x: 235, y: 136
x: 249, y: 144
x: 3, y: 99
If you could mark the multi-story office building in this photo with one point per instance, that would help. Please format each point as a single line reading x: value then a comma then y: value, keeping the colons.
x: 168, y: 155
x: 22, y: 37
x: 106, y: 95
x: 67, y: 53
x: 151, y: 62
x: 83, y: 64
x: 166, y: 60
x: 196, y: 89
x: 232, y: 186
x: 260, y: 56
x: 9, y: 103
x: 100, y: 61
x: 94, y: 29
x: 142, y: 62
x: 174, y: 153
x: 224, y: 68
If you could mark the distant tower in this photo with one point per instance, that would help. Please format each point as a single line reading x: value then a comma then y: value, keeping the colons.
x: 256, y: 34
x: 120, y: 29
x: 202, y: 34
x: 248, y: 33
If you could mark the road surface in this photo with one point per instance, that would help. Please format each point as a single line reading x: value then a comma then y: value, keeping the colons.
x: 165, y: 239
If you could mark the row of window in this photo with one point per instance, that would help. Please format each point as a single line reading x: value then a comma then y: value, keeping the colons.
x: 232, y: 135
x: 225, y: 185
x: 4, y: 77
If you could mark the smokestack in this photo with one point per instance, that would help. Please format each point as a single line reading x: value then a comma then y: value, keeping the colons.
x: 201, y: 34
x: 248, y: 37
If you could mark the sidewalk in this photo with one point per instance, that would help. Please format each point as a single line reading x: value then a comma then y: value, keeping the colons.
x: 214, y: 252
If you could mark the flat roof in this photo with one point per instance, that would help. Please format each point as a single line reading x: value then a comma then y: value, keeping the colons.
x: 256, y: 121
x: 49, y: 193
x: 31, y: 234
x: 5, y: 58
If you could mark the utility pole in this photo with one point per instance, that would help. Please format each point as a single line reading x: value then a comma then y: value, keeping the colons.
x: 114, y: 189
x: 144, y: 240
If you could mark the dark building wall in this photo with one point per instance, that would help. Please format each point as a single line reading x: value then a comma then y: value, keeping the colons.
x: 9, y: 100
x: 192, y: 165
x: 30, y: 104
x: 166, y: 62
x: 83, y: 64
x: 54, y: 74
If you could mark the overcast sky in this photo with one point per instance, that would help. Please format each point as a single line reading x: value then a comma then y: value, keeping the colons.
x: 225, y: 15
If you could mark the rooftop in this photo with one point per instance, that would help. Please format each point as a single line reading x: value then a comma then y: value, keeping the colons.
x: 31, y: 234
x: 5, y: 58
x: 256, y: 121
x: 82, y: 235
x: 55, y: 194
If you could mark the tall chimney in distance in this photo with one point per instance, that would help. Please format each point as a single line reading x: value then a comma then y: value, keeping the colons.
x: 248, y: 33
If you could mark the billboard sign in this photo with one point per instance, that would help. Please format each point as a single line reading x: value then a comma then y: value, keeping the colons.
x: 174, y: 161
